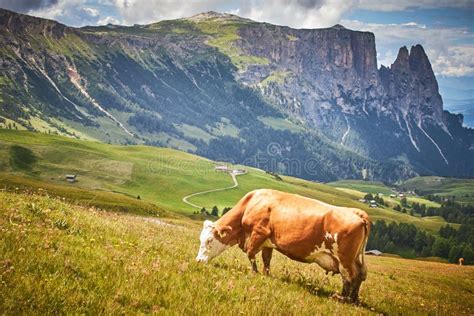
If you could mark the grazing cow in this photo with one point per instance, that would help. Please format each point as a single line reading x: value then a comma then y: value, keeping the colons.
x: 301, y: 228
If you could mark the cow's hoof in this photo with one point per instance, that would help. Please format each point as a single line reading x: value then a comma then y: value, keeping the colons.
x: 344, y: 299
x: 339, y: 297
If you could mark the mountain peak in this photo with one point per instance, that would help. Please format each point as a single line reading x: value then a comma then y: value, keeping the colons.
x: 418, y: 58
x: 213, y: 15
x: 338, y: 27
x: 401, y: 62
x: 25, y: 24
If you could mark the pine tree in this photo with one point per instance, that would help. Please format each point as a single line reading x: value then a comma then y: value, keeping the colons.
x: 455, y: 253
x: 225, y: 210
x: 215, y: 211
x: 426, y: 251
x: 440, y: 248
x: 468, y: 254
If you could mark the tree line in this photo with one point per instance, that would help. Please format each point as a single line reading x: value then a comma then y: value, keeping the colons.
x: 453, y: 212
x: 451, y: 244
x: 214, y: 211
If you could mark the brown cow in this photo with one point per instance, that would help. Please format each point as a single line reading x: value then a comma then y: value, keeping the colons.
x: 301, y: 228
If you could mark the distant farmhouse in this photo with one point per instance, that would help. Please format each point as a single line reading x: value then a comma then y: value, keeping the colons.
x: 71, y: 178
x: 374, y: 252
x: 222, y: 168
x: 239, y: 171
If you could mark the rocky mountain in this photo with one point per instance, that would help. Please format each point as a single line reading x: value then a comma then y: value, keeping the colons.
x: 310, y: 103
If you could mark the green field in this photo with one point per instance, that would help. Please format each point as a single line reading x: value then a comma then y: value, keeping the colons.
x: 58, y: 258
x: 160, y: 176
x: 363, y: 186
x: 461, y: 189
x: 360, y: 188
x: 282, y: 124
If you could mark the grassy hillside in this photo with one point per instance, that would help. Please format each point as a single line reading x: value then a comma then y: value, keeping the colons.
x: 461, y: 189
x: 160, y: 176
x: 60, y: 258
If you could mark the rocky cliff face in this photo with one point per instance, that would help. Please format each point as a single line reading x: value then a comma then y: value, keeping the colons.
x: 226, y: 87
x: 411, y: 83
x: 328, y: 72
x: 329, y: 80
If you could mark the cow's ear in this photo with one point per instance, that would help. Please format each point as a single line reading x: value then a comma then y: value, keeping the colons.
x: 223, y: 231
x: 207, y: 223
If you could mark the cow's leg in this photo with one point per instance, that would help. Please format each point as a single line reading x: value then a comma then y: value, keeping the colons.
x: 350, y: 277
x: 361, y: 275
x: 354, y: 294
x: 267, y: 257
x: 254, y: 246
x: 346, y: 288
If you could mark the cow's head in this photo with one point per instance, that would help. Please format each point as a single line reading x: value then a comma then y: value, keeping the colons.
x: 211, y: 246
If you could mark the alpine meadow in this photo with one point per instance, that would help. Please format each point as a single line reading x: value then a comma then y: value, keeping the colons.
x: 236, y: 157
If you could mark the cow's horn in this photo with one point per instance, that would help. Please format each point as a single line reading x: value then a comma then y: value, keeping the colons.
x: 222, y: 231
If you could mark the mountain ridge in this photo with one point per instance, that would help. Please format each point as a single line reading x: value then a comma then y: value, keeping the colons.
x: 222, y: 86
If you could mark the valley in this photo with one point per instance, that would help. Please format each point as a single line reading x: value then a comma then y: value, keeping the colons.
x: 160, y: 176
x: 119, y: 142
x: 155, y: 181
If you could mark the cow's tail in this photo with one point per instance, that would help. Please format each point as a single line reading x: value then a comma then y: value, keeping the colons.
x: 363, y: 247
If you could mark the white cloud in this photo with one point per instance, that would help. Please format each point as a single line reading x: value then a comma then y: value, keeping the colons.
x: 458, y: 61
x: 448, y: 49
x: 59, y: 10
x: 299, y: 14
x: 149, y: 11
x: 91, y: 11
x: 108, y: 20
x: 79, y: 12
x: 295, y: 13
x: 400, y: 5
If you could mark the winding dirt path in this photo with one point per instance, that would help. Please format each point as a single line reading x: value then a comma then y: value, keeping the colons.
x: 236, y: 184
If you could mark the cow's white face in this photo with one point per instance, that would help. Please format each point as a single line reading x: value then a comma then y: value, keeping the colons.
x: 210, y: 246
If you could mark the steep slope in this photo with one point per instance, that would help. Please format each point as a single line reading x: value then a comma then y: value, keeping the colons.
x: 309, y: 103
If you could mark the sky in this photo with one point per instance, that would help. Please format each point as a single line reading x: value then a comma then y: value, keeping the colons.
x: 445, y: 28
